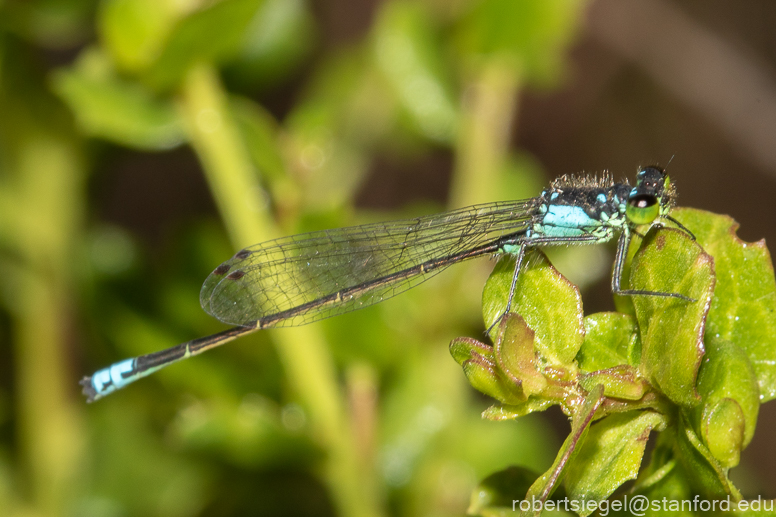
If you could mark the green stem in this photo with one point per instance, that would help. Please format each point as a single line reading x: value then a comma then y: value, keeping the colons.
x: 487, y: 115
x: 309, y: 367
x: 232, y: 178
x: 48, y: 199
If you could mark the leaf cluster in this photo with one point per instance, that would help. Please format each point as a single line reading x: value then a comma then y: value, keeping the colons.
x: 695, y: 371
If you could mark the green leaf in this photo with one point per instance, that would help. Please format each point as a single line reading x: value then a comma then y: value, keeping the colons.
x: 499, y: 412
x: 727, y: 416
x: 671, y: 490
x: 743, y: 310
x: 410, y: 58
x: 672, y: 329
x: 108, y: 107
x: 516, y: 357
x: 135, y: 31
x: 610, y: 455
x: 623, y: 382
x: 611, y: 339
x: 225, y: 23
x: 708, y: 477
x: 723, y: 426
x: 548, y: 303
x: 679, y: 474
x: 479, y: 366
x: 277, y: 41
x: 546, y: 484
x: 464, y: 348
x: 664, y: 476
x: 533, y: 34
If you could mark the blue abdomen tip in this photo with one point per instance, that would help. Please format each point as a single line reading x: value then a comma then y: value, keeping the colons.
x: 111, y: 378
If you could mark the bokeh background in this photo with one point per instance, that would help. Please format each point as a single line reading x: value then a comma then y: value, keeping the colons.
x: 142, y: 142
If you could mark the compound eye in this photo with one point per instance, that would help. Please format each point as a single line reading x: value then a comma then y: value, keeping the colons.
x: 642, y: 209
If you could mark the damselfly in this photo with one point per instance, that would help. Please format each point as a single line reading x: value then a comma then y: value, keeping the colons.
x: 305, y: 278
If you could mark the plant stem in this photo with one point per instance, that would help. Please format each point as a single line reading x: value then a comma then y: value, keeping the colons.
x: 47, y: 200
x: 487, y: 113
x: 232, y: 178
x: 309, y: 366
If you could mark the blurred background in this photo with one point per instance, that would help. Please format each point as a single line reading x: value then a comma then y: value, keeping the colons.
x: 143, y: 142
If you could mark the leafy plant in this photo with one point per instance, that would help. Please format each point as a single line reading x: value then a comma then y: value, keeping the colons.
x: 696, y: 372
x: 287, y: 126
x: 289, y: 122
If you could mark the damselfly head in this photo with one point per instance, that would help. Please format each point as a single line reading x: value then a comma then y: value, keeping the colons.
x: 652, y: 197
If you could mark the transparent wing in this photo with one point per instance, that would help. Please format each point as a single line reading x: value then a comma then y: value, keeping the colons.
x: 307, y: 277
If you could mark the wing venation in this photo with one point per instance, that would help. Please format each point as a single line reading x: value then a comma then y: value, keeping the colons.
x: 370, y: 261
